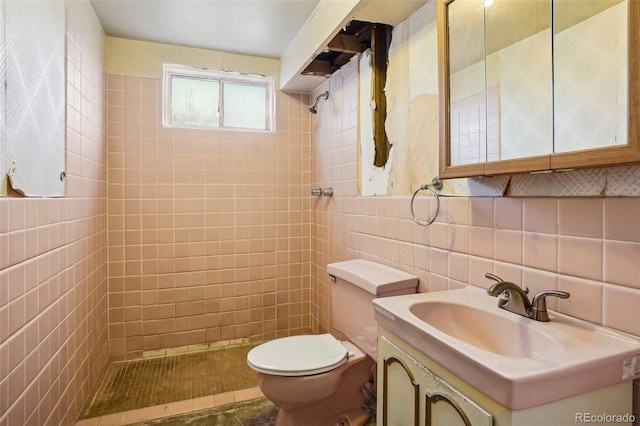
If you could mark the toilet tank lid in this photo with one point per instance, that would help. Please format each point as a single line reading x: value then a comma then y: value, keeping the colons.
x: 372, y: 277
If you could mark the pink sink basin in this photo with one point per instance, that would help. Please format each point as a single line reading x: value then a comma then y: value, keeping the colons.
x: 487, y: 330
x: 517, y: 361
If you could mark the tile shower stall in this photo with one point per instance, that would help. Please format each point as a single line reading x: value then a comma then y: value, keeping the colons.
x: 168, y: 238
x: 208, y: 230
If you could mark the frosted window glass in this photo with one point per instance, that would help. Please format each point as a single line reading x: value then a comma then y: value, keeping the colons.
x: 205, y: 98
x: 194, y: 102
x: 245, y: 106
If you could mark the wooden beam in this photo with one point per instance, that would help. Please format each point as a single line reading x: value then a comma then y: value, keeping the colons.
x: 341, y: 59
x: 380, y: 41
x: 345, y: 43
x: 318, y: 67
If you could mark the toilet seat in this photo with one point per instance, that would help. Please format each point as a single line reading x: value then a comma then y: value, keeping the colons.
x: 298, y: 355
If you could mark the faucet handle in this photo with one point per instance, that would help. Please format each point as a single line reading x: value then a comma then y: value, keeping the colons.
x: 539, y: 303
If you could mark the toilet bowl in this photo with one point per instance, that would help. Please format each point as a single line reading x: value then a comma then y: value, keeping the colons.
x: 324, y: 389
x: 316, y: 380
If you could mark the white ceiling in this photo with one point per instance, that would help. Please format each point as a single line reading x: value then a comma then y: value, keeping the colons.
x: 250, y: 27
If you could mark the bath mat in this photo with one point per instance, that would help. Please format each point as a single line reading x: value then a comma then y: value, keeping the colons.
x: 256, y: 412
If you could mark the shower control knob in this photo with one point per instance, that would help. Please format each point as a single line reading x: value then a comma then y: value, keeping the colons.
x: 327, y: 192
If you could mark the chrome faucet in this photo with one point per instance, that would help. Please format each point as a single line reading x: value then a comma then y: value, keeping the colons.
x: 514, y: 299
x: 510, y: 296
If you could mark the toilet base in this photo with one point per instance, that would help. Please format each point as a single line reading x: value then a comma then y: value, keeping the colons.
x: 343, y: 408
x: 355, y: 417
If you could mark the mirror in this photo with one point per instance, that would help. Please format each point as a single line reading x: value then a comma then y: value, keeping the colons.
x: 590, y: 74
x: 519, y: 77
x: 467, y: 79
x: 536, y: 85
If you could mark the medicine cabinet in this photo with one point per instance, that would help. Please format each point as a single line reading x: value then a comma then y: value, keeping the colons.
x: 537, y: 85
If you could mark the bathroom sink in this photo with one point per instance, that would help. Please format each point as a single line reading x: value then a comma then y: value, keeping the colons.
x: 517, y: 361
x: 486, y: 330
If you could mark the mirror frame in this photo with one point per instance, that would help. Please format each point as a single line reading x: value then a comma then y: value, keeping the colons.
x: 589, y: 158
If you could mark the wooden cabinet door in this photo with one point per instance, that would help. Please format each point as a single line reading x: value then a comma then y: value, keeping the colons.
x: 411, y: 395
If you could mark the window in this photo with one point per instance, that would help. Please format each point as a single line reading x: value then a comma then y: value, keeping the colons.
x: 203, y: 98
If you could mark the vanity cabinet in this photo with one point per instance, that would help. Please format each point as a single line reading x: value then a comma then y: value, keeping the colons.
x: 414, y: 390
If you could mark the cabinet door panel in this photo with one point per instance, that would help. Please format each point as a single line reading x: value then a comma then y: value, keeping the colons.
x: 441, y: 410
x: 446, y: 406
x: 401, y: 394
x: 412, y: 394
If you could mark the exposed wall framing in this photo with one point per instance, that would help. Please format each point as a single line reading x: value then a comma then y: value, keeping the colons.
x: 353, y: 39
x: 380, y: 41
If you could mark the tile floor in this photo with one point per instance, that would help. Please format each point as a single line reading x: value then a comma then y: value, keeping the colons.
x: 153, y: 388
x: 171, y: 409
x: 256, y: 412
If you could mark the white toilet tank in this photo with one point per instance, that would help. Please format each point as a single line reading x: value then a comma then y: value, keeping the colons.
x: 355, y: 284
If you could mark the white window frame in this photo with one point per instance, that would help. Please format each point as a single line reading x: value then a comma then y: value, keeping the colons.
x: 222, y: 77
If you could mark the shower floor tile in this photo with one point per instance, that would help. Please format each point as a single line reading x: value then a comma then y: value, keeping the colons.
x: 155, y: 381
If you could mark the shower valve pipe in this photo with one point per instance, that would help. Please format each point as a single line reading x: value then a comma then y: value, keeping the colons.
x: 319, y: 192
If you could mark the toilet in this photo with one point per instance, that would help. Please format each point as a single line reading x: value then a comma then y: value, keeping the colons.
x: 317, y: 380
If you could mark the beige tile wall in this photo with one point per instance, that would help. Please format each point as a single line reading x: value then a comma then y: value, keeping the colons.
x: 587, y: 246
x: 208, y: 230
x: 53, y: 268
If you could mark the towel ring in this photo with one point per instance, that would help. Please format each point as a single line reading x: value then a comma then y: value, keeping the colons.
x: 434, y: 187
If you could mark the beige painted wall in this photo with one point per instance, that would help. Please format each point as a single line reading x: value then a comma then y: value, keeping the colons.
x: 145, y: 59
